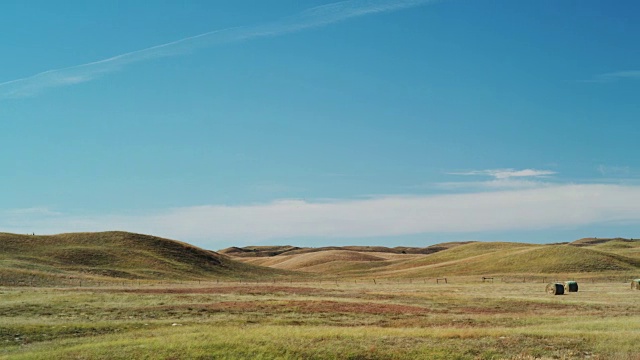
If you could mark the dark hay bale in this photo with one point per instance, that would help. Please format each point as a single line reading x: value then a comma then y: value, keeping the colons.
x: 570, y: 286
x: 555, y: 289
x: 635, y: 284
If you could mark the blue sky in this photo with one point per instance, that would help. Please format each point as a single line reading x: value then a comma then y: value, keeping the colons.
x: 378, y: 122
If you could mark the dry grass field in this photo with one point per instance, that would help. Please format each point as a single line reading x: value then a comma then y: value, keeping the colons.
x: 389, y: 319
x: 128, y: 296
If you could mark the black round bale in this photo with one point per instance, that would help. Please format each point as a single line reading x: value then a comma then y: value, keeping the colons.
x: 555, y: 289
x: 570, y: 286
x: 635, y: 284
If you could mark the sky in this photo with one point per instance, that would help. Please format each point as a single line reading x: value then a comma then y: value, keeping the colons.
x: 315, y: 123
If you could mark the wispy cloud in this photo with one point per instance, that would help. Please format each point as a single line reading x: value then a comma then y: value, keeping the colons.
x: 311, y: 18
x: 607, y: 170
x: 506, y: 173
x: 616, y: 76
x: 494, y: 184
x: 555, y: 206
x: 500, y: 179
x: 41, y: 210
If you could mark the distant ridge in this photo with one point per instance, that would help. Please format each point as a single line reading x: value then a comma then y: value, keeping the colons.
x: 266, y: 251
x: 596, y: 241
x: 257, y: 251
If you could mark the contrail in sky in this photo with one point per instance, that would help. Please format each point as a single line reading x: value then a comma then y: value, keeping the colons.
x: 310, y: 18
x: 616, y: 76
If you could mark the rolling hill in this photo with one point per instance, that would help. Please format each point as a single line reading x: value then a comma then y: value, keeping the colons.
x: 518, y: 259
x: 107, y: 256
x: 472, y: 258
x: 114, y: 255
x: 326, y: 262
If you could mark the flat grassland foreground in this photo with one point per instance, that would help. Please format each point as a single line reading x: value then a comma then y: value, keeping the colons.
x: 462, y: 319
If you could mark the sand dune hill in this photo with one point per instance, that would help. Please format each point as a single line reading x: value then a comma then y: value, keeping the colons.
x: 306, y: 261
x: 278, y: 250
x: 270, y: 261
x: 331, y: 261
x: 258, y: 251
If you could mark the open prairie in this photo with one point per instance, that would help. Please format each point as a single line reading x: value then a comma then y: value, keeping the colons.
x: 389, y: 319
x: 122, y: 296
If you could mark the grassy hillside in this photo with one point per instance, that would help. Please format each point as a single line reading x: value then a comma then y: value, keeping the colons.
x: 541, y: 259
x: 27, y: 258
x: 327, y: 262
x: 625, y: 247
x: 106, y: 256
x: 477, y: 258
x: 596, y: 241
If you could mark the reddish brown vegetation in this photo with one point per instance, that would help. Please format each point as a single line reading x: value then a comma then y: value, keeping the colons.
x: 240, y: 290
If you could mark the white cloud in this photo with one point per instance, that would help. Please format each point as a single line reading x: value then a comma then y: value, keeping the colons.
x: 507, y: 173
x: 525, y: 209
x: 616, y: 76
x: 494, y: 184
x: 311, y: 18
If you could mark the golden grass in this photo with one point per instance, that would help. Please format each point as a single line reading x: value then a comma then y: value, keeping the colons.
x: 99, y: 257
x: 477, y: 258
x: 464, y: 319
x: 356, y: 303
